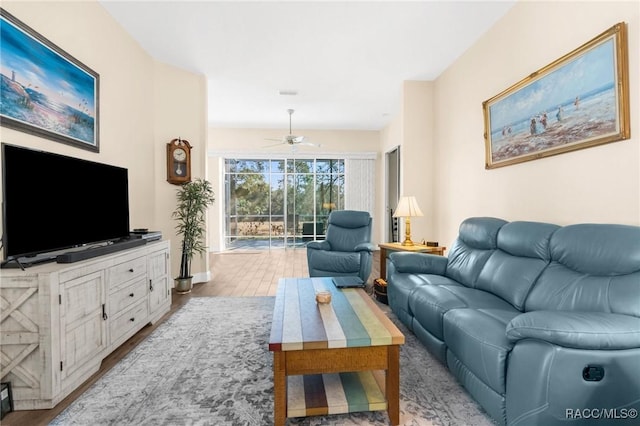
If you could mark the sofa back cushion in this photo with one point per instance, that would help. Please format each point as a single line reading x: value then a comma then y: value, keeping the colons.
x: 594, y: 267
x: 521, y: 256
x: 477, y: 239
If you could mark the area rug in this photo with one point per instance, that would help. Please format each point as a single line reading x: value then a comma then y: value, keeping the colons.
x: 209, y: 364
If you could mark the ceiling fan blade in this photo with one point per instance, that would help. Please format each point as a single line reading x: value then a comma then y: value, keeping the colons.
x: 307, y: 143
x: 275, y: 144
x: 291, y: 139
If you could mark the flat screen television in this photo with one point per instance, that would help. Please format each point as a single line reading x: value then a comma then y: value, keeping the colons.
x: 53, y: 202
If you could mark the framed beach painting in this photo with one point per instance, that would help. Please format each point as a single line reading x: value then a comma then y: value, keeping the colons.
x: 44, y: 90
x: 578, y: 101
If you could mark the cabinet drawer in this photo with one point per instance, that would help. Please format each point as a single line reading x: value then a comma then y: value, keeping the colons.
x: 125, y: 271
x: 132, y: 318
x: 127, y: 296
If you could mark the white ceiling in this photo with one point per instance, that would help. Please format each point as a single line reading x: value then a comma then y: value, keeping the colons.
x: 347, y: 60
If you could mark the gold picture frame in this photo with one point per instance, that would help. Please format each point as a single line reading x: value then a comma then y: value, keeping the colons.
x: 578, y: 101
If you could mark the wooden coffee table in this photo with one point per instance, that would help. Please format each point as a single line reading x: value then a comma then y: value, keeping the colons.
x: 334, y: 358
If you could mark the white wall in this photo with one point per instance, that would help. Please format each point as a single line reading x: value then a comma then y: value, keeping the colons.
x: 599, y: 184
x: 143, y: 105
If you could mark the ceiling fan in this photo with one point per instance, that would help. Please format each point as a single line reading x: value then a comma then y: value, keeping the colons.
x: 292, y: 139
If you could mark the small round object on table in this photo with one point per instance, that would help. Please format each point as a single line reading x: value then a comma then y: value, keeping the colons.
x: 323, y: 297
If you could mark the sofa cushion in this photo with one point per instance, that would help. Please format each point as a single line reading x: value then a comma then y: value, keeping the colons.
x: 522, y: 254
x: 465, y: 263
x: 335, y: 261
x: 594, y: 267
x: 527, y: 239
x: 510, y: 277
x: 480, y: 232
x: 475, y: 243
x: 598, y: 249
x: 430, y: 303
x: 399, y: 291
x: 477, y: 338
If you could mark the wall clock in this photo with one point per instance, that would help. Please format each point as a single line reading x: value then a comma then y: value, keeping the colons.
x: 178, y: 162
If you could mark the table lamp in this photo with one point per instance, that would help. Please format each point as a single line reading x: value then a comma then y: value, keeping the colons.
x: 407, y: 208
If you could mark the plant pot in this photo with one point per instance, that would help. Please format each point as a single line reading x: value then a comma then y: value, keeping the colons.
x: 183, y: 285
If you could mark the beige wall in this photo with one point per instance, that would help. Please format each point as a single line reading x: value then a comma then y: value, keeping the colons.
x: 390, y: 138
x: 413, y: 130
x: 600, y: 184
x: 238, y: 143
x: 417, y: 169
x: 180, y: 100
x: 143, y: 105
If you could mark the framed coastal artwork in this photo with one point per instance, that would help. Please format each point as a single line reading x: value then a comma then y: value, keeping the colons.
x: 578, y: 101
x: 44, y: 90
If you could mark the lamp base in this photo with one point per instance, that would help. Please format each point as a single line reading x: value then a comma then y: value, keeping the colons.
x: 407, y: 232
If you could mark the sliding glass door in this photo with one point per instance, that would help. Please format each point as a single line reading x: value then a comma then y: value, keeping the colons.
x: 280, y: 202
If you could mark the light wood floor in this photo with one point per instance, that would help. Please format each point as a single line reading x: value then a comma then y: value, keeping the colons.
x: 237, y: 273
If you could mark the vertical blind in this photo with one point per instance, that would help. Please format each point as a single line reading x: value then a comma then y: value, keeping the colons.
x: 360, y: 184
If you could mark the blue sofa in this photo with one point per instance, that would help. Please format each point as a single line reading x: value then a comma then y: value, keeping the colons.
x: 540, y: 323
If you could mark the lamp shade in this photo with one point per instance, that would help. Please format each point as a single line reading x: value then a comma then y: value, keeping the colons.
x: 408, y: 207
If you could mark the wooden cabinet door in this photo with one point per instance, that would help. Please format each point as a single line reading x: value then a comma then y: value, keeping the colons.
x: 158, y: 275
x: 82, y: 321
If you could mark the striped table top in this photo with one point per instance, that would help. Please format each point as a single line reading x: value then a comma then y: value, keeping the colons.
x: 351, y: 319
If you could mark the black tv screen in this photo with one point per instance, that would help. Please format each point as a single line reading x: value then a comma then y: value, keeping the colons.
x: 53, y: 202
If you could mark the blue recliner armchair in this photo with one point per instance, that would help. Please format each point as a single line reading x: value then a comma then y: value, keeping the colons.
x: 347, y: 249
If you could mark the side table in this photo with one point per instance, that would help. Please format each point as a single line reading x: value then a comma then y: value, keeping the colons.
x: 417, y: 248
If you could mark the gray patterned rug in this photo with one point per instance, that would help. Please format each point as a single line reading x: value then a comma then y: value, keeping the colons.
x: 209, y: 364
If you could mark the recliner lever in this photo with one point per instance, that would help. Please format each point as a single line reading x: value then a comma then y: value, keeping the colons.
x: 593, y: 373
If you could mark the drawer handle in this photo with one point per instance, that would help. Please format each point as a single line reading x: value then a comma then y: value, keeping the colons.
x: 104, y: 312
x: 131, y: 270
x: 131, y: 295
x: 151, y: 285
x: 132, y: 319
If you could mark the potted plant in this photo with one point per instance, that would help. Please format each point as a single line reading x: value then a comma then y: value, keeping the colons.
x: 193, y: 200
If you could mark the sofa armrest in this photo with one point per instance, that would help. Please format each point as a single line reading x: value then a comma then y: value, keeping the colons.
x: 578, y: 330
x: 364, y: 247
x: 319, y: 245
x: 418, y: 263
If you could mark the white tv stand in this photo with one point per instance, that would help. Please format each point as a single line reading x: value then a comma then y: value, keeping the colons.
x: 59, y: 321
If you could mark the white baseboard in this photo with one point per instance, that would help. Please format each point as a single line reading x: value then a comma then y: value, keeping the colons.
x: 201, y: 277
